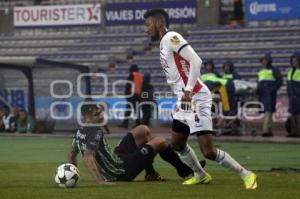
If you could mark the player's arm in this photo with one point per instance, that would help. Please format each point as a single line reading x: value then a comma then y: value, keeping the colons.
x: 178, y: 44
x: 90, y: 162
x: 72, y: 155
x: 189, y: 54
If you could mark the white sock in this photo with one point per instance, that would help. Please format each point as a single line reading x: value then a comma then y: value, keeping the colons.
x: 189, y: 157
x: 228, y: 162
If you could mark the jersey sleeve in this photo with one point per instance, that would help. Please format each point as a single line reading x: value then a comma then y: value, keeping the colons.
x: 74, y: 145
x: 175, y: 42
x: 93, y: 141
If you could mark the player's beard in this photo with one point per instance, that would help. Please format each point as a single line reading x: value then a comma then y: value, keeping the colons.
x: 155, y: 37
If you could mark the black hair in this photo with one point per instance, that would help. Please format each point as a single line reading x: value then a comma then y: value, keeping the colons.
x: 134, y: 68
x: 87, y: 109
x: 158, y: 13
x: 295, y: 55
x: 210, y: 62
x: 269, y: 59
x: 230, y: 64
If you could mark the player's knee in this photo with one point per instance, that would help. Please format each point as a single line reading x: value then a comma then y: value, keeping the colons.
x: 160, y: 142
x: 209, y: 153
x: 144, y: 131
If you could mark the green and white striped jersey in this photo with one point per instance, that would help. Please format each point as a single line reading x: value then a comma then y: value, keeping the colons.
x: 110, y: 166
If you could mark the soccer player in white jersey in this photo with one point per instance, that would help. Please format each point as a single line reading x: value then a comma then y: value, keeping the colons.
x: 181, y: 65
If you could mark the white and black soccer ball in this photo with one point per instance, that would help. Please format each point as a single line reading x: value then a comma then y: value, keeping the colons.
x: 67, y: 175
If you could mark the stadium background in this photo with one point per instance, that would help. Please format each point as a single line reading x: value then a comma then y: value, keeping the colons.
x: 32, y: 57
x: 38, y: 47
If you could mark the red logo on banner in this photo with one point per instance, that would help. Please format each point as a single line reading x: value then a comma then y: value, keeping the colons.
x: 93, y: 12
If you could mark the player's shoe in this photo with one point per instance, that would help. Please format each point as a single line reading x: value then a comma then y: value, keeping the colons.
x: 186, y: 171
x: 250, y: 181
x: 205, y: 180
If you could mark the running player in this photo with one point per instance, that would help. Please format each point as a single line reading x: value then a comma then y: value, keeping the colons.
x: 181, y: 65
x: 134, y: 153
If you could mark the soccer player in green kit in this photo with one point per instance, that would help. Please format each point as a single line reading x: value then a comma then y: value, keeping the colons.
x: 135, y: 152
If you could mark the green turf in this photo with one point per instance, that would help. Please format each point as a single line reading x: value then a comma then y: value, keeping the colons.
x: 27, y: 166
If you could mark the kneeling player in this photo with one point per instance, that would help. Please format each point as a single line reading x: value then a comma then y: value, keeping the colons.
x: 135, y: 152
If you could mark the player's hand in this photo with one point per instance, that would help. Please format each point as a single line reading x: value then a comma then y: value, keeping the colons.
x: 186, y: 100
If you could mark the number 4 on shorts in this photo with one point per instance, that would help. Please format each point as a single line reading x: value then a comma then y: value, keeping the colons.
x: 197, y: 118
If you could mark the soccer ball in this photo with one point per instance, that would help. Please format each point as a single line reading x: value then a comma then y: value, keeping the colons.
x: 67, y: 175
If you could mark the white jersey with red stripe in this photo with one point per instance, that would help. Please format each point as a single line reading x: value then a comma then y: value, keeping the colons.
x: 175, y: 67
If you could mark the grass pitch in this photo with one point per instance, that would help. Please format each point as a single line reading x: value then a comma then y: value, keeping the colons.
x: 27, y: 166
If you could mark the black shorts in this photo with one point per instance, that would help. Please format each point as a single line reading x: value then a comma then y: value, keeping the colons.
x: 126, y: 146
x: 179, y: 127
x: 136, y: 159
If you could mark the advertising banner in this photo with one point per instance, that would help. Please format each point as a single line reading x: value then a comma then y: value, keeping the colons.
x: 272, y: 9
x: 14, y: 97
x: 58, y: 15
x: 132, y: 13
